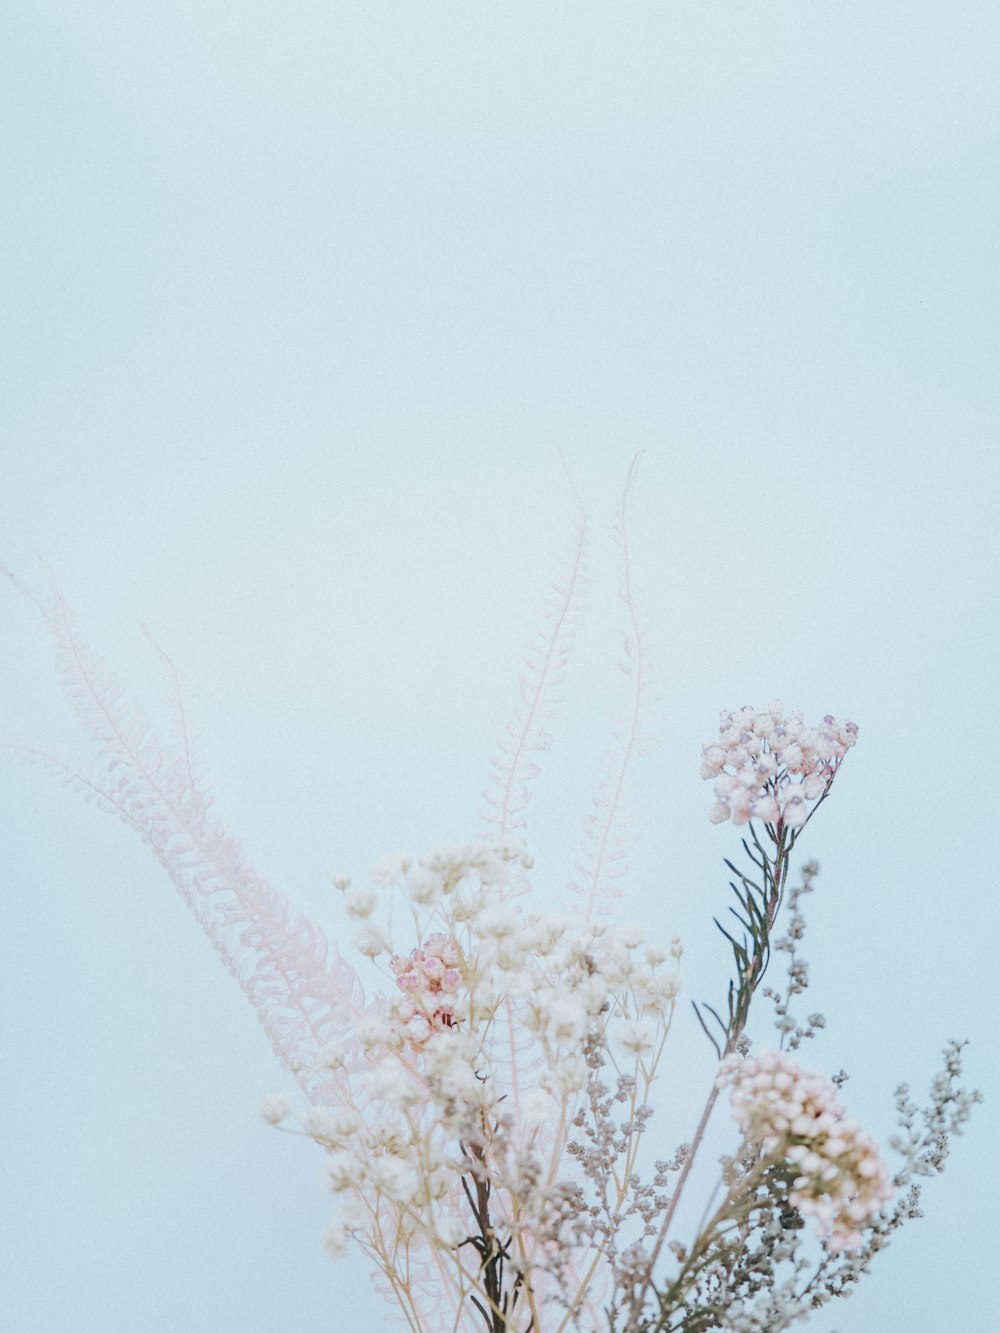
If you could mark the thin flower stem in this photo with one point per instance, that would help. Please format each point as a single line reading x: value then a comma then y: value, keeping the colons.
x: 699, y: 1134
x: 775, y: 874
x: 528, y: 1288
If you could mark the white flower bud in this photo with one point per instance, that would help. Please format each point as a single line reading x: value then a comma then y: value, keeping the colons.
x: 360, y: 903
x: 389, y: 869
x: 343, y: 1171
x: 425, y: 888
x: 331, y: 1056
x: 370, y: 941
x: 335, y: 1240
x: 275, y: 1108
x: 631, y: 935
x: 636, y: 1038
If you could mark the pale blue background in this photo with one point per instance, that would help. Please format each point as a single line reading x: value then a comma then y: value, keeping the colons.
x: 300, y: 303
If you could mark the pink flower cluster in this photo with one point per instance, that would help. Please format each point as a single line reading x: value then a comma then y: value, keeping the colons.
x: 795, y: 1115
x: 430, y: 979
x: 771, y: 766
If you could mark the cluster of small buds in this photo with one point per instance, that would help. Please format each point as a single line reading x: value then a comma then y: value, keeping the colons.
x: 772, y: 766
x: 795, y: 1117
x: 430, y: 978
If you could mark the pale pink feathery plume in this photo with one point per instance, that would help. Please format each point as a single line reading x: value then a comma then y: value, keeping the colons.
x: 304, y: 994
x: 540, y: 689
x: 607, y: 830
x: 513, y: 767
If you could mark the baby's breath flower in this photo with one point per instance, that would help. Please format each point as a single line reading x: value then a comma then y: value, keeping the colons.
x: 275, y: 1108
x: 370, y: 941
x: 656, y: 991
x: 360, y: 903
x: 425, y: 888
x: 566, y: 1019
x: 343, y: 1171
x: 537, y: 1107
x: 390, y: 869
x: 636, y: 1038
x: 498, y: 921
x: 318, y: 1124
x: 392, y: 1083
x: 394, y: 1178
x: 566, y: 1077
x: 332, y: 1055
x: 336, y: 1239
x: 369, y: 1032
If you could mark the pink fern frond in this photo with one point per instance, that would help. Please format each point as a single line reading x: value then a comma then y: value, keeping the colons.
x: 512, y: 767
x: 607, y: 831
x: 178, y: 700
x: 304, y: 993
x: 108, y: 797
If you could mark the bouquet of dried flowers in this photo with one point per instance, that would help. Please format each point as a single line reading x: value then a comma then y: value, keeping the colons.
x: 486, y: 1114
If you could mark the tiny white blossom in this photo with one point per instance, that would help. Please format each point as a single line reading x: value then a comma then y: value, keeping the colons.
x: 370, y: 941
x: 656, y: 991
x: 394, y: 1179
x: 566, y: 1077
x: 275, y: 1108
x: 425, y: 888
x: 369, y: 1032
x: 389, y: 869
x: 636, y: 1038
x: 335, y: 1239
x: 566, y: 1019
x: 343, y: 1171
x: 318, y: 1124
x: 390, y: 1082
x: 360, y: 903
x: 332, y: 1055
x: 631, y: 935
x: 344, y: 1121
x: 467, y: 906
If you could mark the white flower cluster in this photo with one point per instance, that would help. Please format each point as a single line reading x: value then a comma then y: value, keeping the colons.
x: 771, y: 766
x: 842, y: 1181
x: 475, y: 1063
